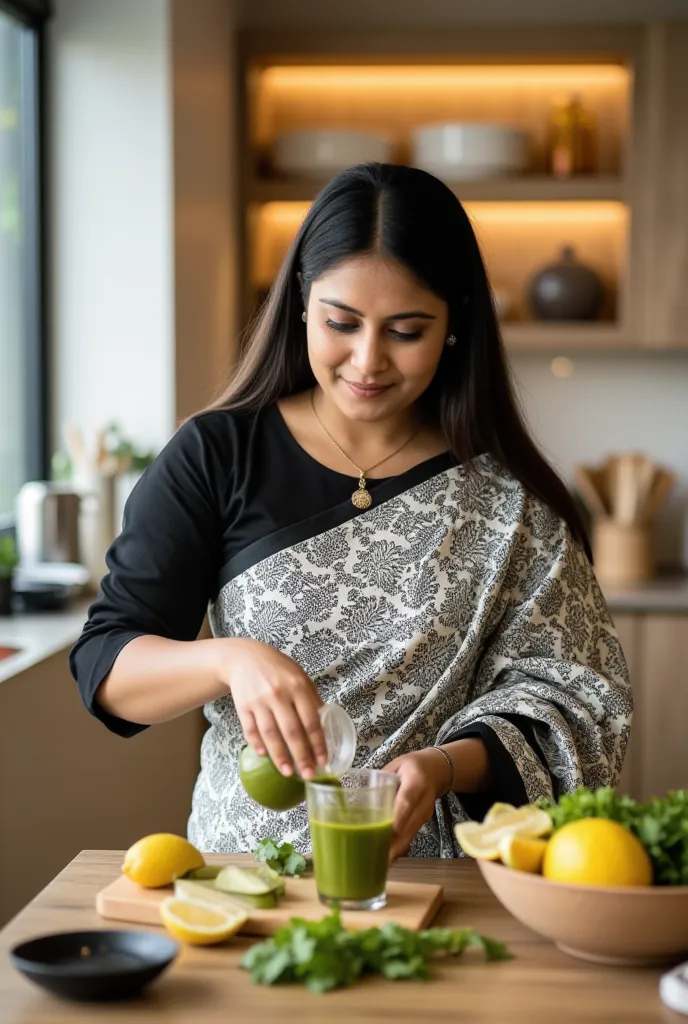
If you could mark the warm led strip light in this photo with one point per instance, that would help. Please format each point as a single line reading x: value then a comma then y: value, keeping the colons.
x: 532, y: 212
x: 502, y: 76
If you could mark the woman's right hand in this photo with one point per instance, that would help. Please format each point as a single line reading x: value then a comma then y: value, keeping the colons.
x: 277, y: 704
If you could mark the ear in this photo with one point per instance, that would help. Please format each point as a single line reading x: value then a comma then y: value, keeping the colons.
x: 299, y: 278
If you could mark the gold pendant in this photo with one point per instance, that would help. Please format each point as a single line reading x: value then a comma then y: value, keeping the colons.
x: 362, y: 498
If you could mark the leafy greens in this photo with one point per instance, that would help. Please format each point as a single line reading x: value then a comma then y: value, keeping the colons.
x: 281, y: 857
x: 325, y: 955
x: 661, y: 825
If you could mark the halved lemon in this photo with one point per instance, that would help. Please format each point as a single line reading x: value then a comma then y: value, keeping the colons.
x: 200, y: 924
x: 523, y: 853
x: 496, y: 811
x: 482, y: 840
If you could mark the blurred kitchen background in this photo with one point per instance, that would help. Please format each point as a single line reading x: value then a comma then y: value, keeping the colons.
x: 156, y: 157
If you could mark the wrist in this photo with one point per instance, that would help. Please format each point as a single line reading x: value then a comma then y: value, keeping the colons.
x: 444, y: 763
x: 222, y: 655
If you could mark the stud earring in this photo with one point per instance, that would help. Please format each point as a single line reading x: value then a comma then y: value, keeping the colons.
x: 303, y: 316
x: 451, y: 340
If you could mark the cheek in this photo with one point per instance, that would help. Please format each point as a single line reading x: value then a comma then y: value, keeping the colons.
x: 324, y: 349
x: 419, y: 361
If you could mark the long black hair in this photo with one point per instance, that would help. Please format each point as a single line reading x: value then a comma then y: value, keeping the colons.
x: 412, y: 217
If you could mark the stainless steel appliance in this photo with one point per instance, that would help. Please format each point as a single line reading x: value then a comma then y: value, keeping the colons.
x: 47, y: 523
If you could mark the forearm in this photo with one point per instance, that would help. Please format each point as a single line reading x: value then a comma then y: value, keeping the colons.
x: 154, y: 679
x: 471, y: 765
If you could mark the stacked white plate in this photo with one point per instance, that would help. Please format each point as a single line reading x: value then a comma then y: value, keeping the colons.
x: 469, y: 150
x: 321, y: 152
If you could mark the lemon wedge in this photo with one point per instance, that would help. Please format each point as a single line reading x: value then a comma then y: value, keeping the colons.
x: 200, y: 924
x: 523, y: 853
x: 482, y: 840
x: 159, y: 859
x: 496, y: 811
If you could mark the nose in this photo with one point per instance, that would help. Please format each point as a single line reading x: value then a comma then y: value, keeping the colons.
x: 368, y: 355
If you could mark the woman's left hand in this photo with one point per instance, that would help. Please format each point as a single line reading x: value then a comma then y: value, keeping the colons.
x: 423, y: 779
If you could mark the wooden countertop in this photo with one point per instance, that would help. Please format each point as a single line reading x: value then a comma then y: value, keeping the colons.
x: 206, y: 985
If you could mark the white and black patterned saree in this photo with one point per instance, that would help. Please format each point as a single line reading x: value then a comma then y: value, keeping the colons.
x: 457, y: 605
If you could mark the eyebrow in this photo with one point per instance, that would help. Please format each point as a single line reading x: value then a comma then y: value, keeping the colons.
x: 413, y: 314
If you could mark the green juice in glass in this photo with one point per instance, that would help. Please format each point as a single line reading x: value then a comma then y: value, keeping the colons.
x: 350, y: 857
x: 351, y: 832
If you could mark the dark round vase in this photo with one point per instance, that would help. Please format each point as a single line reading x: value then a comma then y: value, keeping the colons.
x: 566, y: 290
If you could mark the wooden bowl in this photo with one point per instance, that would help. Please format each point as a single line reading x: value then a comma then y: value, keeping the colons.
x: 634, y: 926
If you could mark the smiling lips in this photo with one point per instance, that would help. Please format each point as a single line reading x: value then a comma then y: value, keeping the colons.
x: 367, y: 390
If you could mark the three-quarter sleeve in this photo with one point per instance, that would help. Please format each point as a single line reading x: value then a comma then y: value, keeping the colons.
x: 552, y: 683
x: 162, y: 568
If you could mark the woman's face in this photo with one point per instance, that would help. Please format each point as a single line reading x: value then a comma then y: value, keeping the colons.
x: 375, y: 337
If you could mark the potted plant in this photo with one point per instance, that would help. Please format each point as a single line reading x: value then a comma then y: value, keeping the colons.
x: 9, y: 559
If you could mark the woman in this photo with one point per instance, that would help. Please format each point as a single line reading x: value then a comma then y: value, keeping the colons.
x: 369, y: 523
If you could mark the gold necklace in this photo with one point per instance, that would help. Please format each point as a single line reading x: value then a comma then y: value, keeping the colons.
x: 361, y: 498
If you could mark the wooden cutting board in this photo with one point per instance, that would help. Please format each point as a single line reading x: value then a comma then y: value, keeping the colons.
x: 412, y: 904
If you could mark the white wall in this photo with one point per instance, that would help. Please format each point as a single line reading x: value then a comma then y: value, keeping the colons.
x: 112, y: 228
x: 618, y: 402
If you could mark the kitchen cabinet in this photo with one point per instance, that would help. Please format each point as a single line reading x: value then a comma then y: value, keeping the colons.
x: 660, y: 248
x: 656, y: 648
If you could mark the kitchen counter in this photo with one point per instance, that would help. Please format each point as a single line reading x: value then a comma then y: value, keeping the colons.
x: 36, y: 636
x: 664, y: 595
x: 539, y: 984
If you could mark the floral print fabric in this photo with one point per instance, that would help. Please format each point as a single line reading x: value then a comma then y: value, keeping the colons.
x: 462, y: 600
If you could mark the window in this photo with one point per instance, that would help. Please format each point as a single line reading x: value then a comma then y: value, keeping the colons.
x: 22, y: 348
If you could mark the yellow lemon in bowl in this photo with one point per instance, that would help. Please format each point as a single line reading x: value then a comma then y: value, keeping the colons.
x: 596, y: 851
x: 160, y: 859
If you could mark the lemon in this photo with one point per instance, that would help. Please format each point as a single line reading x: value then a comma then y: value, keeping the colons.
x: 595, y: 851
x: 265, y: 784
x: 200, y: 924
x: 483, y: 840
x: 522, y: 853
x: 159, y: 859
x: 495, y: 811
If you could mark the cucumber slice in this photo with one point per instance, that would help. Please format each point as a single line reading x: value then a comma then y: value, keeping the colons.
x: 205, y: 892
x: 207, y: 871
x: 265, y: 901
x: 245, y: 881
x: 271, y: 877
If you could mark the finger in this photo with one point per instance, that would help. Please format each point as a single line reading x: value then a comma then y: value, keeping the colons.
x: 253, y: 737
x: 294, y: 734
x: 307, y: 711
x: 273, y: 741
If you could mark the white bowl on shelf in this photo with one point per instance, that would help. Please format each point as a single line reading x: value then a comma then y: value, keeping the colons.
x: 469, y: 150
x: 319, y: 152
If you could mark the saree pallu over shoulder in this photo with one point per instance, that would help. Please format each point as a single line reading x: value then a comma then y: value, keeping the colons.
x: 456, y: 600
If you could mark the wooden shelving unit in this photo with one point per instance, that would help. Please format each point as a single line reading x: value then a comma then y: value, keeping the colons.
x: 297, y: 80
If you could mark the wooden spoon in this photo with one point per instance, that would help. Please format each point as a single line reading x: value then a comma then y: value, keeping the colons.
x: 663, y: 483
x: 589, y: 493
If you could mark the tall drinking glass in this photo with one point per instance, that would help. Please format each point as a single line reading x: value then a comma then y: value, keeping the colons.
x: 351, y: 830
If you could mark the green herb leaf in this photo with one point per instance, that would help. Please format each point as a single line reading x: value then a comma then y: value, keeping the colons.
x: 324, y: 955
x: 281, y: 857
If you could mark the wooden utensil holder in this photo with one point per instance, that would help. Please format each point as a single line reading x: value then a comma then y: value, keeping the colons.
x: 623, y: 553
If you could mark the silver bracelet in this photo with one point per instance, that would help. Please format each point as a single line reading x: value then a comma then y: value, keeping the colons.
x: 450, y: 762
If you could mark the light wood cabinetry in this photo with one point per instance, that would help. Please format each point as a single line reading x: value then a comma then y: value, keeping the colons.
x: 622, y: 219
x: 662, y: 208
x: 656, y: 649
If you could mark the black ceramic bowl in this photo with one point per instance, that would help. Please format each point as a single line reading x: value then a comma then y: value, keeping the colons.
x: 94, y: 965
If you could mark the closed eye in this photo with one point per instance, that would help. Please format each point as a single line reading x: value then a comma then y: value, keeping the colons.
x: 347, y: 328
